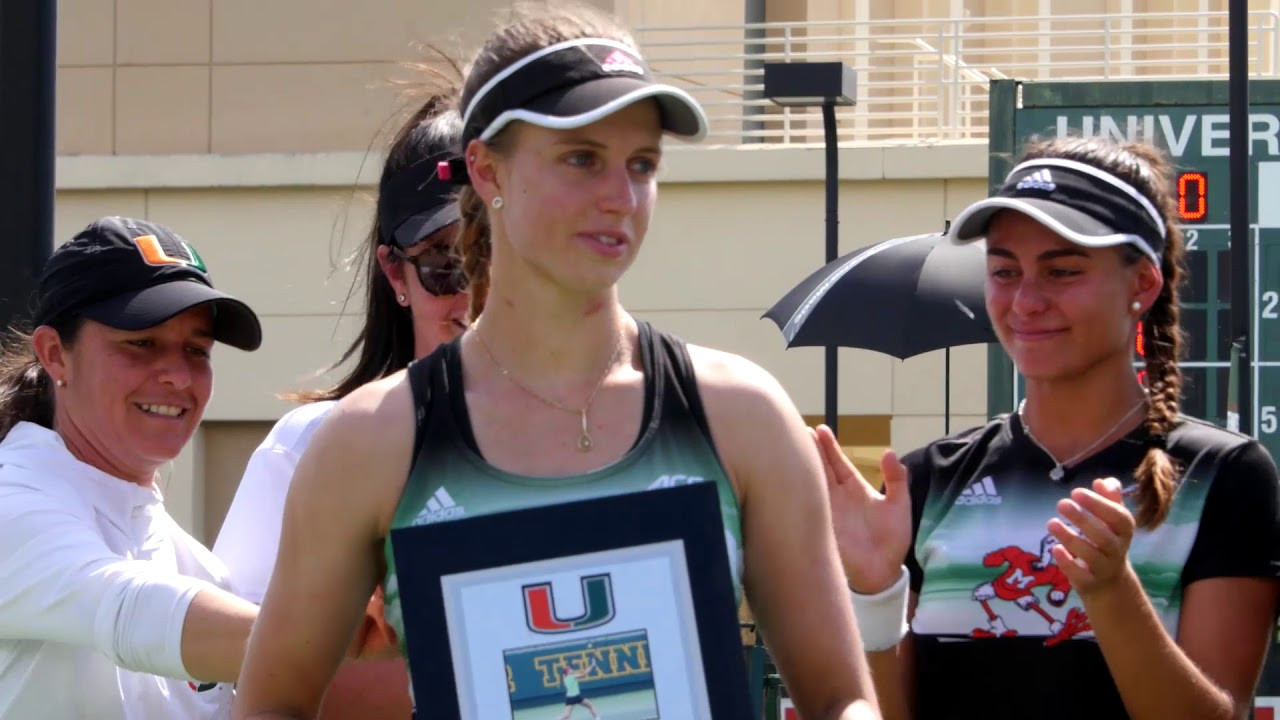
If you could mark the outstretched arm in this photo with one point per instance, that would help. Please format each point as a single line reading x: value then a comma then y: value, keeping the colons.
x: 63, y: 584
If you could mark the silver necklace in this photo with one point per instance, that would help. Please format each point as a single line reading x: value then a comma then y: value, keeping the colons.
x: 584, y: 440
x: 1059, y: 470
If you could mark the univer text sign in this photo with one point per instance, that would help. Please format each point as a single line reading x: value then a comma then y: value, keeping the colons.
x: 1184, y: 133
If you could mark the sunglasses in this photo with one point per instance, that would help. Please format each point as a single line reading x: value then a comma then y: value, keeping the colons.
x: 439, y: 271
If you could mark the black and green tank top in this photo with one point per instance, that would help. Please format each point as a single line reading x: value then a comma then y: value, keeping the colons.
x: 449, y: 480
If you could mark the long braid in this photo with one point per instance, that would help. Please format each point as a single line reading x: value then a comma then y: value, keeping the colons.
x: 1156, y: 474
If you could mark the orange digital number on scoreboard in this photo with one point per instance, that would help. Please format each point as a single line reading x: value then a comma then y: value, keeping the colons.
x: 1193, y: 196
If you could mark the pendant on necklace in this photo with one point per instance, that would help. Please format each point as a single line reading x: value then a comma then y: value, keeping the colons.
x: 584, y: 440
x: 1057, y: 473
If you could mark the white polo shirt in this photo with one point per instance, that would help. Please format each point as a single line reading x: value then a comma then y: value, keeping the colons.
x: 250, y: 534
x: 95, y: 582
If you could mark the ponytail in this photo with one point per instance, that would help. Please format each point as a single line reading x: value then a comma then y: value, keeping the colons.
x: 475, y: 236
x: 474, y: 246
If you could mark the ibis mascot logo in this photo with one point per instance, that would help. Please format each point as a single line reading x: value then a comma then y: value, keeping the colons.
x: 597, y: 606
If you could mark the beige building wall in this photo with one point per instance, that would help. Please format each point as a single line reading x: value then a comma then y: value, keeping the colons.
x: 159, y: 77
x: 145, y: 77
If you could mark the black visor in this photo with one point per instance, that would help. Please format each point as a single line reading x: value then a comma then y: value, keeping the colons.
x: 1083, y: 204
x: 414, y: 203
x: 575, y: 83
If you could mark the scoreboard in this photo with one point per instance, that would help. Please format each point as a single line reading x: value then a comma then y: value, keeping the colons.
x: 1188, y: 119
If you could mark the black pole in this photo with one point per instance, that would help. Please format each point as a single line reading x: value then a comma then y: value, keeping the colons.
x: 946, y: 369
x: 28, y: 47
x: 833, y: 249
x: 1241, y: 305
x: 946, y: 390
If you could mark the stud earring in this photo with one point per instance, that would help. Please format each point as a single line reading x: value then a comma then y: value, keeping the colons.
x: 497, y: 202
x: 60, y: 382
x: 1136, y: 306
x: 400, y: 299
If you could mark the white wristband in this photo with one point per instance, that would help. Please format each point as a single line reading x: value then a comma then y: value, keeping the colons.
x: 882, y: 618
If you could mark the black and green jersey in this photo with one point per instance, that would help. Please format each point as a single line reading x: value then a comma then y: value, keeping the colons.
x: 450, y: 480
x: 998, y: 630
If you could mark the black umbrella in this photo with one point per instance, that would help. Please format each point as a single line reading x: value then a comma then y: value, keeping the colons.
x: 901, y: 297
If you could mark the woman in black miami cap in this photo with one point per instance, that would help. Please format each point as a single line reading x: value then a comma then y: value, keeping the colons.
x: 415, y: 299
x: 1094, y: 553
x: 108, y: 609
x: 555, y: 393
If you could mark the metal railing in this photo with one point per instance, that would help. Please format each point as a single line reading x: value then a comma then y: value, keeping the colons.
x: 924, y: 81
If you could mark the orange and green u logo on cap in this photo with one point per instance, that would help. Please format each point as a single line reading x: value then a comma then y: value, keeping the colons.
x: 155, y: 254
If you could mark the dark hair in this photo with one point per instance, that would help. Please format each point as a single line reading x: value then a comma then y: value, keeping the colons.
x: 26, y: 393
x: 385, y: 343
x: 525, y: 28
x: 1149, y: 170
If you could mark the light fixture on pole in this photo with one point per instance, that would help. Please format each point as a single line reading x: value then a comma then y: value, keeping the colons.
x: 825, y: 85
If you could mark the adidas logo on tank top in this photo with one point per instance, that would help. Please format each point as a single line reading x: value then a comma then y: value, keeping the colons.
x: 980, y: 492
x: 440, y: 506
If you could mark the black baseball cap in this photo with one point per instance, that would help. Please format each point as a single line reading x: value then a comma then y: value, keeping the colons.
x: 415, y: 202
x: 132, y: 274
x: 575, y: 83
x: 1084, y: 204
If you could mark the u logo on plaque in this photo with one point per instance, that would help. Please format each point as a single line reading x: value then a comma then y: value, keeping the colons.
x: 597, y: 606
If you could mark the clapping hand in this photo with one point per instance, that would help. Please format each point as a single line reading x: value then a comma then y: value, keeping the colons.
x: 1093, y: 551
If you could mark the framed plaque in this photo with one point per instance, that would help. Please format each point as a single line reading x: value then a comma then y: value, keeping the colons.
x: 622, y: 603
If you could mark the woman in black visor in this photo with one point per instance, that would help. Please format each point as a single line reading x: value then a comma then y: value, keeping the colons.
x: 1094, y: 554
x: 556, y: 393
x: 414, y: 299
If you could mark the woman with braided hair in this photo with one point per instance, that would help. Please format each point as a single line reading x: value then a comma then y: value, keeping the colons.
x: 1094, y: 553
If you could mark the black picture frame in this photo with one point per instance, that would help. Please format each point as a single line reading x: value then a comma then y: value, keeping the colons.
x: 427, y: 555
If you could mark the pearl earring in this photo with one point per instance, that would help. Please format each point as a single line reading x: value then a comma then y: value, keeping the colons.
x: 1136, y: 306
x: 400, y: 299
x: 497, y: 202
x: 60, y: 382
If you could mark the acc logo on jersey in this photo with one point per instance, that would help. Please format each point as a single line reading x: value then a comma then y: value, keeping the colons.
x: 669, y: 481
x: 597, y: 603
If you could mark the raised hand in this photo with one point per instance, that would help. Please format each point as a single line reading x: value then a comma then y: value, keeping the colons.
x: 872, y: 529
x: 1093, y: 550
